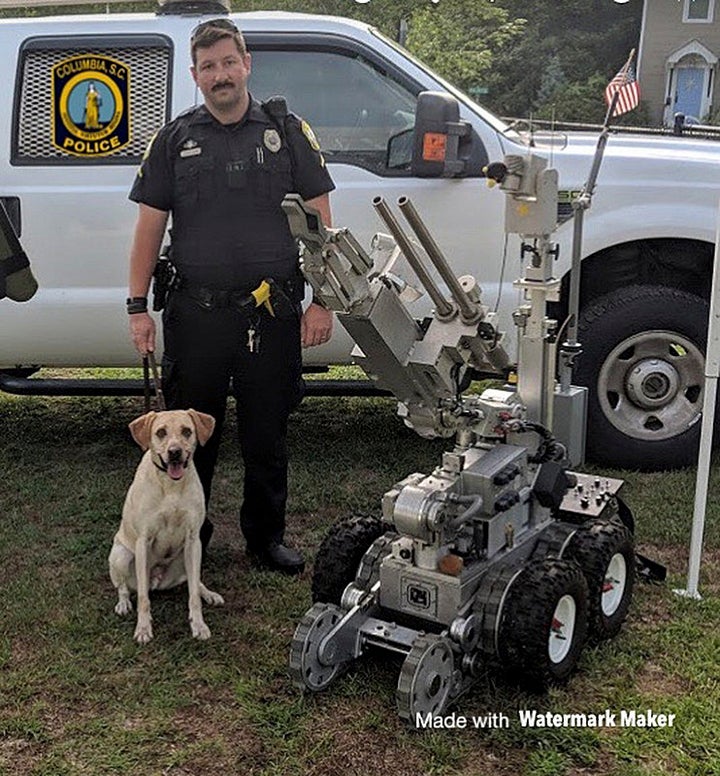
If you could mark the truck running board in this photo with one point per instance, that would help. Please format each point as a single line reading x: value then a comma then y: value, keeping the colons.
x: 28, y: 386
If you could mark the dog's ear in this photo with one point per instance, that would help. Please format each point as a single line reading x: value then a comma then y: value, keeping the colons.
x: 204, y: 425
x: 140, y: 429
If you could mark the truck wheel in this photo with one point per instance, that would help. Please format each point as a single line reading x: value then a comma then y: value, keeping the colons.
x: 643, y: 364
x: 604, y: 551
x: 339, y: 555
x: 544, y: 623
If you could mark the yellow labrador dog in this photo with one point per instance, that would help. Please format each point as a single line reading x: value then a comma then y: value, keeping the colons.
x: 158, y: 543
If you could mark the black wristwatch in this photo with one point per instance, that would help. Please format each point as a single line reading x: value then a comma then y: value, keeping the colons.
x: 136, y: 304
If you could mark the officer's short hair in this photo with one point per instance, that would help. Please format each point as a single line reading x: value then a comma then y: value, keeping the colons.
x: 208, y: 33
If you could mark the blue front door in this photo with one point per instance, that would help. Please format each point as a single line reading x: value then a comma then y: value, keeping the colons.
x: 689, y: 91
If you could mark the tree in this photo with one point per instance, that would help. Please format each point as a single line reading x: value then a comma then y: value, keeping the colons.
x: 553, y: 80
x: 535, y: 56
x: 589, y: 38
x: 458, y: 38
x: 540, y: 56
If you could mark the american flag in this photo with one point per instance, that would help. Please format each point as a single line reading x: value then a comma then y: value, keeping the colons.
x: 628, y: 91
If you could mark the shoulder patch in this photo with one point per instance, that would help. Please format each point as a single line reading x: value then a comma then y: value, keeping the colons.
x: 148, y: 148
x: 309, y: 134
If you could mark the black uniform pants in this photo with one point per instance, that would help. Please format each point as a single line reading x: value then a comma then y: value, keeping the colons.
x: 206, y: 351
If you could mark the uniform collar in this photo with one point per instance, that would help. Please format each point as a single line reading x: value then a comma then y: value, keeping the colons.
x: 254, y: 113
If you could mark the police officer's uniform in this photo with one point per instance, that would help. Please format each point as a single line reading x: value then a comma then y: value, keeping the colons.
x: 224, y: 185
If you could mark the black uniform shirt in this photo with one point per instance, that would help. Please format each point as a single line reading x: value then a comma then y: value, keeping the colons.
x: 224, y: 185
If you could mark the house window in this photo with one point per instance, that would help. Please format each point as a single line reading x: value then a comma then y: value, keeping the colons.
x: 698, y: 10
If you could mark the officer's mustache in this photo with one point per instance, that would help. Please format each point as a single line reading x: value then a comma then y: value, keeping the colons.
x: 223, y: 85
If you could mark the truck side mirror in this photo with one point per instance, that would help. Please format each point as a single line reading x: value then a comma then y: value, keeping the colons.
x: 442, y: 142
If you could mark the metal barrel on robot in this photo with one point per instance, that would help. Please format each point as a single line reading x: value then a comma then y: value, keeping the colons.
x: 444, y: 310
x: 712, y: 371
x: 470, y: 310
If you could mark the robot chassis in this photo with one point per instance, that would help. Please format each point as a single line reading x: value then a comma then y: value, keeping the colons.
x: 500, y: 556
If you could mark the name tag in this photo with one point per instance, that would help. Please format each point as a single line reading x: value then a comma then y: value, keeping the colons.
x: 191, y: 152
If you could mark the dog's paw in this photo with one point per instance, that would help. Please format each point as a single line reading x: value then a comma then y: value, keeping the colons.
x: 123, y: 606
x: 214, y: 599
x: 199, y: 630
x: 143, y: 633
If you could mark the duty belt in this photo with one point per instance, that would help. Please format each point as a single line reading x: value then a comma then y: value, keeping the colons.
x: 269, y: 294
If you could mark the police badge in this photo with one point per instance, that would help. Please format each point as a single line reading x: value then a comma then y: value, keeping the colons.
x: 272, y: 141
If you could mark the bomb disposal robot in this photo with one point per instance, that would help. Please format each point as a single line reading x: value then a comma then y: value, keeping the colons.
x: 500, y: 555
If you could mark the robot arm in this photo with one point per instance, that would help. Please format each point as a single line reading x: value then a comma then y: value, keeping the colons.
x: 421, y: 364
x: 333, y: 262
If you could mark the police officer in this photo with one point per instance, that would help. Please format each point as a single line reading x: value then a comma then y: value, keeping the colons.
x: 222, y: 170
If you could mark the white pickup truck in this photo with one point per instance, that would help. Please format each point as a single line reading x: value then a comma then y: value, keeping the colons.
x: 82, y: 95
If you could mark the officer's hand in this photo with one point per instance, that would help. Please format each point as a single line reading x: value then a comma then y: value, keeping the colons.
x: 316, y: 326
x: 142, y: 332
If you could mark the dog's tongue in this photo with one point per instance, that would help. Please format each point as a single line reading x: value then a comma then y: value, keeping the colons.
x: 175, y: 471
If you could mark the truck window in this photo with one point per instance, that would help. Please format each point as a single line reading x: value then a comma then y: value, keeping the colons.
x: 353, y: 107
x: 90, y: 99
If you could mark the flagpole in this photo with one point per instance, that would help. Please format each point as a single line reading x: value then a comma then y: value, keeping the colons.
x: 702, y: 477
x: 571, y: 348
x: 616, y: 95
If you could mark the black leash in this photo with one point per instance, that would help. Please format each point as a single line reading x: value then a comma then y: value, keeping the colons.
x: 148, y: 364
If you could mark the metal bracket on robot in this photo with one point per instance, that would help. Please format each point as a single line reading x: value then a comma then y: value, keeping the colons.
x: 421, y: 364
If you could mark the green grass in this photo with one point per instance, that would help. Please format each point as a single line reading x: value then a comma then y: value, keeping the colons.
x: 77, y: 696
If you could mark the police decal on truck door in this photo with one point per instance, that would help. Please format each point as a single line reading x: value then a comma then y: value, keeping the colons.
x: 90, y: 99
x: 91, y: 115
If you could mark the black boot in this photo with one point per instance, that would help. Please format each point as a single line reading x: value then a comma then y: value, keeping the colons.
x: 278, y: 557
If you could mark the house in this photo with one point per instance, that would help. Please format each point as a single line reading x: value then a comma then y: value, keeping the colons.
x: 678, y: 60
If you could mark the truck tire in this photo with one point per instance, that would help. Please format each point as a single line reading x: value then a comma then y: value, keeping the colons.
x: 340, y: 553
x: 643, y: 362
x: 604, y: 551
x: 544, y: 623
